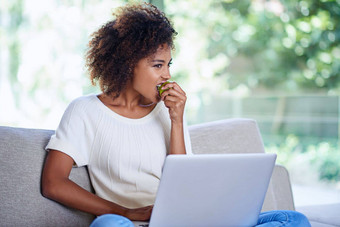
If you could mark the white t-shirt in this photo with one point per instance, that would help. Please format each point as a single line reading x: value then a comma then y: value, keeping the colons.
x: 124, y: 156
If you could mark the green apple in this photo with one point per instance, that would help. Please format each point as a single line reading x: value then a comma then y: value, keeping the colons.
x: 159, y: 88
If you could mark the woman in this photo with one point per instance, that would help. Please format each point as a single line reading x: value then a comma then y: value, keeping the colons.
x: 123, y: 134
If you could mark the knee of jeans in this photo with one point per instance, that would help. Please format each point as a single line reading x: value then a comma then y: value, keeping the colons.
x: 300, y: 219
x: 295, y: 218
x: 111, y: 220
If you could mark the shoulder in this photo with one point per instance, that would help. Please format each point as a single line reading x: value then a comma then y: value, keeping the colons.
x: 81, y: 106
x: 83, y: 100
x: 82, y: 103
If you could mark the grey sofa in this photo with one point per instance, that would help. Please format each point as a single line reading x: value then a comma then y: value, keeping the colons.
x: 22, y: 156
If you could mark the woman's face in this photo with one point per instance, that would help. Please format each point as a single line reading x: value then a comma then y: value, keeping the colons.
x: 152, y: 71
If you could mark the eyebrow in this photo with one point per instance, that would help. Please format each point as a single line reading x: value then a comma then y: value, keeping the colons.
x: 159, y: 60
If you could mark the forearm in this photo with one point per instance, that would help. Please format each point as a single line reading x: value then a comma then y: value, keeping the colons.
x: 57, y: 186
x: 72, y: 195
x: 174, y: 98
x: 177, y: 143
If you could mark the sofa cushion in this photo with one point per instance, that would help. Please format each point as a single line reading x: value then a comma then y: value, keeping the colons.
x: 22, y: 156
x: 322, y: 214
x: 318, y: 224
x: 226, y: 136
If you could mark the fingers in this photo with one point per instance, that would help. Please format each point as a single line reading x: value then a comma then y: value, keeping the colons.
x: 173, y: 89
x: 140, y: 214
x: 144, y: 210
x: 175, y: 96
x: 174, y: 86
x: 174, y: 99
x: 172, y: 93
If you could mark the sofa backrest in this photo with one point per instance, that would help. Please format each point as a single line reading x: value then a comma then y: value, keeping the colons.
x: 22, y: 156
x: 237, y: 135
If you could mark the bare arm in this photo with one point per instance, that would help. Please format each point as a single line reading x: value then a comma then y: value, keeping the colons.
x: 175, y: 99
x: 57, y: 186
x: 177, y: 144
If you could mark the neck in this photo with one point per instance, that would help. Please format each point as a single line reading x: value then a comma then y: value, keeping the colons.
x: 128, y: 99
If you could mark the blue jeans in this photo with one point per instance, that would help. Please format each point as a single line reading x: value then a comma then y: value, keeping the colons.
x: 282, y: 218
x: 111, y: 220
x: 266, y: 219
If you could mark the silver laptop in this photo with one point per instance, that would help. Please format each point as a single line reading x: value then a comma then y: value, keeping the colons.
x: 211, y: 190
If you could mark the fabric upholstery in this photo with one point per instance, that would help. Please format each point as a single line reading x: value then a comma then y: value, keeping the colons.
x: 226, y: 136
x: 318, y: 224
x: 325, y: 213
x: 281, y: 197
x: 21, y: 160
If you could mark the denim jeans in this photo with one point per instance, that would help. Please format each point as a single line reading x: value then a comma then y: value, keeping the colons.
x: 282, y: 218
x: 266, y: 219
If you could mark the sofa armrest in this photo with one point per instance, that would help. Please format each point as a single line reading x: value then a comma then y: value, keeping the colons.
x: 279, y: 195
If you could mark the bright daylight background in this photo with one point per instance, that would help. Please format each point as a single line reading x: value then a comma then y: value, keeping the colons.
x: 274, y: 61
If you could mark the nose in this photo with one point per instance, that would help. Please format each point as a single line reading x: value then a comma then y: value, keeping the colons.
x: 167, y: 75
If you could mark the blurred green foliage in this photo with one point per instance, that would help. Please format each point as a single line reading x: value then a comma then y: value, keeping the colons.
x: 323, y: 158
x: 263, y: 47
x: 288, y: 45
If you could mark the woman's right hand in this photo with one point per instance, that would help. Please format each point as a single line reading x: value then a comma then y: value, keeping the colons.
x: 139, y: 214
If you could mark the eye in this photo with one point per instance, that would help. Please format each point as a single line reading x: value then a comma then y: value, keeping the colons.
x: 158, y: 66
x: 170, y: 63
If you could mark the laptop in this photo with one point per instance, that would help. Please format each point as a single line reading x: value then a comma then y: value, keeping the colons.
x: 211, y: 190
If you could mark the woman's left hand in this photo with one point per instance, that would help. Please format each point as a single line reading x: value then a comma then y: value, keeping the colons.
x: 174, y: 98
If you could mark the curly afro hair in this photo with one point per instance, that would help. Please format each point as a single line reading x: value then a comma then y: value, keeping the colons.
x: 137, y: 31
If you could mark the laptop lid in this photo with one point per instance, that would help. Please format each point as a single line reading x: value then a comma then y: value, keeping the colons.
x: 212, y: 190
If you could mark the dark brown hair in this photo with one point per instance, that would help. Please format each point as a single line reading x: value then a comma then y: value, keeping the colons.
x: 137, y: 32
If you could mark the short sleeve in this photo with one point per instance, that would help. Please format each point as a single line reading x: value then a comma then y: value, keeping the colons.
x: 71, y: 136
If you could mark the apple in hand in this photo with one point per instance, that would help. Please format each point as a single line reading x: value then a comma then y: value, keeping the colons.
x: 159, y: 88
